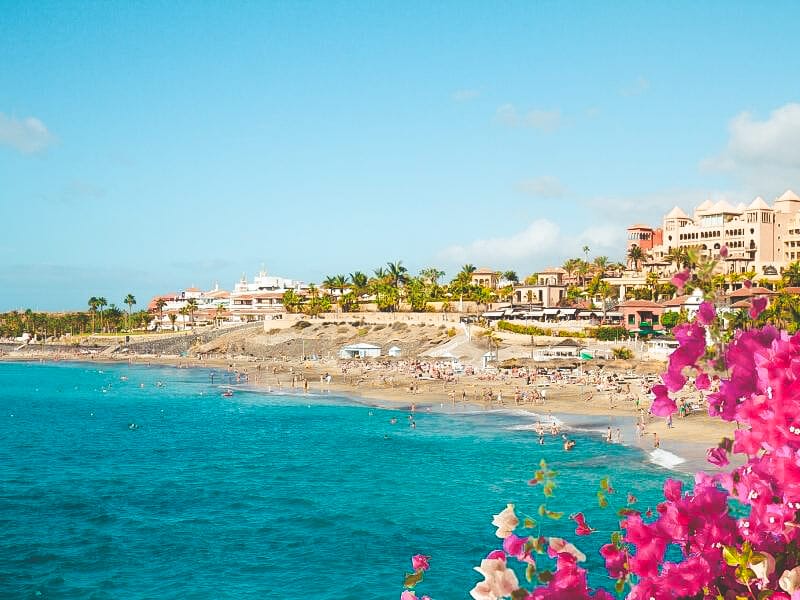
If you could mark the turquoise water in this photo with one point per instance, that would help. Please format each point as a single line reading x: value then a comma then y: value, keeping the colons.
x: 264, y: 495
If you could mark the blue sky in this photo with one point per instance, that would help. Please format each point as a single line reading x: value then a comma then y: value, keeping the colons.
x: 147, y: 147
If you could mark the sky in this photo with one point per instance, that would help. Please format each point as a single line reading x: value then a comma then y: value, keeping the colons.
x: 152, y: 146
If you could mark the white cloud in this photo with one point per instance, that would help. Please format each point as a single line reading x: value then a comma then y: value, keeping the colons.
x: 545, y: 186
x: 543, y: 120
x: 465, y: 95
x: 637, y: 88
x: 650, y: 207
x: 27, y: 135
x: 764, y: 155
x: 539, y: 244
x: 540, y: 237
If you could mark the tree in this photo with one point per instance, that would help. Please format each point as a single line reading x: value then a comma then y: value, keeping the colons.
x: 431, y: 275
x: 94, y: 304
x: 184, y: 311
x: 359, y: 283
x: 101, y: 303
x: 635, y: 256
x: 172, y: 318
x: 511, y: 276
x: 160, y: 304
x: 571, y: 266
x: 130, y: 300
x: 791, y: 274
x: 601, y: 264
x: 291, y: 301
x: 398, y: 276
x: 586, y: 253
x: 191, y: 307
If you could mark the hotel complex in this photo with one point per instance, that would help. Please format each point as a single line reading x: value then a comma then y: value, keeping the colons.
x: 760, y: 238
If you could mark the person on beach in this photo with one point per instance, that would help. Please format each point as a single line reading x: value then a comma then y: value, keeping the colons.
x: 656, y: 441
x: 608, y: 434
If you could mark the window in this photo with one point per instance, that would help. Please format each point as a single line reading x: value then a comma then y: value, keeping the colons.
x: 631, y: 319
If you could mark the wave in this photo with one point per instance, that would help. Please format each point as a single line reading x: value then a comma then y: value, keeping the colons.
x: 665, y: 459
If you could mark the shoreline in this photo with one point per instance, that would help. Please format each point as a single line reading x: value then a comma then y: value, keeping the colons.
x: 572, y: 404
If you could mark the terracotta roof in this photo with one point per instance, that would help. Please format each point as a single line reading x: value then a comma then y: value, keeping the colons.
x: 741, y: 304
x: 484, y: 271
x: 677, y: 301
x: 791, y: 290
x: 640, y: 226
x: 750, y: 292
x: 217, y: 294
x: 639, y: 304
x: 192, y: 289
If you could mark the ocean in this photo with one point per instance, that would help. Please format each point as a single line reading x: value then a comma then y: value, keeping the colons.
x: 269, y: 495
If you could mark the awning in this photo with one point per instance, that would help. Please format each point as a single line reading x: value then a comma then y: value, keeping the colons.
x: 535, y: 314
x: 496, y: 313
x: 568, y: 311
x: 585, y: 313
x: 614, y: 313
x: 551, y: 311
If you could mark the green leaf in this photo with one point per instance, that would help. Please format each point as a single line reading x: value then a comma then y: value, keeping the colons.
x: 530, y: 571
x: 604, y: 485
x: 413, y: 579
x: 620, y: 585
x: 529, y: 523
x: 601, y: 500
x: 542, y: 510
x: 731, y: 556
x: 554, y: 515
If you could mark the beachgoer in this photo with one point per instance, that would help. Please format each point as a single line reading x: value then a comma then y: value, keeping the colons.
x: 608, y: 434
x: 656, y: 441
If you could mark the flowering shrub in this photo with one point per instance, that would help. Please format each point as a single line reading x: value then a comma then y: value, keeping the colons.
x: 720, y: 553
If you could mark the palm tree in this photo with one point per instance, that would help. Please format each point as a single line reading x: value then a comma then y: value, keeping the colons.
x: 172, y: 318
x: 184, y: 310
x: 431, y: 275
x: 635, y: 255
x: 94, y: 304
x: 398, y: 275
x: 130, y: 300
x: 160, y: 304
x: 221, y: 309
x: 359, y: 283
x: 101, y: 303
x: 511, y: 276
x: 791, y: 274
x: 586, y: 253
x: 601, y: 264
x: 191, y: 306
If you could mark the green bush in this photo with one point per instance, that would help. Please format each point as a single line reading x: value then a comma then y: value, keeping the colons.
x: 609, y: 334
x: 523, y: 329
x: 451, y: 332
x: 622, y: 352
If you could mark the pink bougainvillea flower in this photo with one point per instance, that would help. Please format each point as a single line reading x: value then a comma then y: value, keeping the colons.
x: 419, y: 562
x: 663, y: 405
x: 702, y: 381
x: 717, y: 456
x: 748, y: 283
x: 515, y: 546
x: 706, y: 313
x: 408, y: 595
x: 498, y: 580
x: 615, y: 560
x: 632, y: 499
x: 679, y: 279
x: 723, y: 252
x: 758, y: 306
x: 582, y: 528
x: 505, y: 521
x: 559, y: 545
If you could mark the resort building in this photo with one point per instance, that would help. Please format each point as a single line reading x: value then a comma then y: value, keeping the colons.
x: 263, y: 296
x: 485, y: 277
x: 760, y: 238
x: 548, y: 291
x: 640, y: 315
